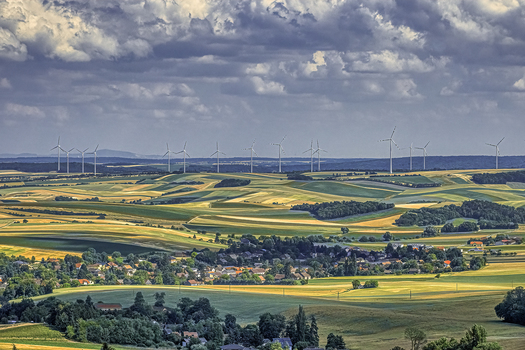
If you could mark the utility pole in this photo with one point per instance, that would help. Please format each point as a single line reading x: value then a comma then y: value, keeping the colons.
x: 411, y: 294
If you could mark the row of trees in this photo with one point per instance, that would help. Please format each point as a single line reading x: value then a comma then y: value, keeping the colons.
x: 499, y: 178
x: 232, y: 183
x: 475, y: 339
x: 476, y: 209
x: 331, y: 210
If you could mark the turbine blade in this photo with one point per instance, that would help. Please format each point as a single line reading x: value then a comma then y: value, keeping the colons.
x: 283, y: 138
x: 393, y: 132
x: 96, y: 149
x: 501, y: 140
x: 54, y: 148
x: 426, y: 144
x: 165, y: 154
x: 490, y: 144
x: 255, y: 153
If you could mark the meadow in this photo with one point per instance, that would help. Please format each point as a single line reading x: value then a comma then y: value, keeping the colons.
x: 133, y: 221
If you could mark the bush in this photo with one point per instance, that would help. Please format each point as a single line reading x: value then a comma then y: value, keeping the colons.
x: 371, y: 284
x: 512, y: 308
x: 232, y: 183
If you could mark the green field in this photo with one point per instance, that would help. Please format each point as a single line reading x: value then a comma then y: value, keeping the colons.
x: 367, y: 318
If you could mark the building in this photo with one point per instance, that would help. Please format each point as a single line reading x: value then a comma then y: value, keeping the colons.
x: 286, y: 343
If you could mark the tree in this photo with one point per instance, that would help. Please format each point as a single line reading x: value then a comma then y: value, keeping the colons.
x: 416, y: 336
x: 270, y: 325
x: 344, y: 230
x: 475, y: 336
x: 512, y: 308
x: 430, y: 231
x: 300, y: 322
x: 356, y: 284
x: 251, y: 336
x: 105, y: 346
x: 335, y: 342
x: 232, y: 329
x: 159, y: 299
x: 388, y: 237
x: 313, y: 336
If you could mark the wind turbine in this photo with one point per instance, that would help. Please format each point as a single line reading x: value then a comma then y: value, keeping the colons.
x: 411, y: 148
x: 82, y: 152
x: 67, y: 155
x: 95, y: 167
x: 497, y: 150
x: 252, y: 151
x: 217, y: 152
x: 424, y: 154
x: 58, y: 148
x: 281, y: 150
x: 311, y: 149
x: 318, y: 151
x: 185, y: 154
x: 391, y: 141
x: 168, y: 152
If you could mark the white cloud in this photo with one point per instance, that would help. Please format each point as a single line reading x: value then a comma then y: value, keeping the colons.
x: 17, y: 110
x: 10, y: 47
x: 520, y: 84
x: 4, y: 83
x: 258, y: 69
x: 389, y: 62
x: 263, y: 87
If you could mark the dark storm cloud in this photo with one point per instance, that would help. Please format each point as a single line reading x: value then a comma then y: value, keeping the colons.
x: 133, y: 74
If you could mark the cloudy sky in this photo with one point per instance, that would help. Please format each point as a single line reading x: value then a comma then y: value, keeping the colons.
x: 135, y: 74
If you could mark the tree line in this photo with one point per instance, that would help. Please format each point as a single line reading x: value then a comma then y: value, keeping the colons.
x: 331, y: 210
x: 483, y: 211
x: 232, y: 183
x: 499, y: 178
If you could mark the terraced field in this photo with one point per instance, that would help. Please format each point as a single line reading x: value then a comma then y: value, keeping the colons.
x: 130, y: 218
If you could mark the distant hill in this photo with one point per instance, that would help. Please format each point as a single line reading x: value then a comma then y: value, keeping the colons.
x: 112, y: 159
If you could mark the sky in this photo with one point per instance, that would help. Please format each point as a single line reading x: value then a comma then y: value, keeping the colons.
x: 133, y: 75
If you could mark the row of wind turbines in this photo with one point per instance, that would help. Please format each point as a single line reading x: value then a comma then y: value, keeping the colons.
x: 218, y: 152
x: 424, y: 149
x: 313, y: 151
x: 59, y: 148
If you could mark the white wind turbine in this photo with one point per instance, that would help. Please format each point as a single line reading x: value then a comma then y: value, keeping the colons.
x: 318, y: 151
x: 497, y: 150
x: 168, y: 152
x: 217, y: 152
x: 58, y: 148
x: 82, y: 152
x: 281, y: 150
x: 424, y: 154
x: 252, y: 151
x: 185, y: 154
x: 95, y: 154
x: 67, y: 155
x: 311, y: 150
x: 391, y: 141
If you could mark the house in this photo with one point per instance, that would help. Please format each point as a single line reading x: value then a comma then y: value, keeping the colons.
x: 190, y: 334
x: 85, y: 282
x: 476, y: 244
x: 279, y: 276
x: 232, y: 347
x: 193, y: 283
x: 286, y: 343
x: 258, y: 271
x: 447, y: 263
x: 108, y: 307
x: 78, y: 266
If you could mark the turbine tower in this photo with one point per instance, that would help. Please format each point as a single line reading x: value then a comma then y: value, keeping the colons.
x: 318, y: 151
x: 95, y: 167
x: 58, y: 148
x: 281, y: 150
x: 168, y: 152
x: 497, y: 150
x: 424, y: 154
x: 391, y: 141
x: 67, y: 155
x: 217, y: 152
x: 185, y: 154
x: 82, y: 152
x: 311, y: 150
x: 252, y: 151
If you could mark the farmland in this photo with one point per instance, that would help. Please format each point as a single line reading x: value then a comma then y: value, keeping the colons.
x: 129, y: 217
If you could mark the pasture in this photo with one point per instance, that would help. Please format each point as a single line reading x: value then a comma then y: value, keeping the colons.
x: 129, y: 217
